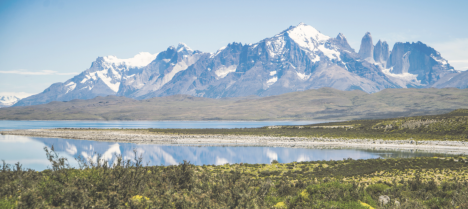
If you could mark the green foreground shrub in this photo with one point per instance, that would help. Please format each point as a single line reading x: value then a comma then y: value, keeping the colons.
x: 409, y: 182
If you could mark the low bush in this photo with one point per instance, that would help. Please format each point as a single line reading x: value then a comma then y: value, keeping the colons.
x: 410, y: 182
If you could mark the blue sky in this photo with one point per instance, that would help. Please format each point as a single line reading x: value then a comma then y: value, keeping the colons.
x: 48, y: 41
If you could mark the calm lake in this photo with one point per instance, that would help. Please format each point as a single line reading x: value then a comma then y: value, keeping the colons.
x: 14, y: 124
x: 29, y: 150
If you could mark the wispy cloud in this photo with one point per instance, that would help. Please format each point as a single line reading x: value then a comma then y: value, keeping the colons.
x: 42, y: 72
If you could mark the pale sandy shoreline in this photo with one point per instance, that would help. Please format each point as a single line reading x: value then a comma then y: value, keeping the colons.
x: 146, y: 137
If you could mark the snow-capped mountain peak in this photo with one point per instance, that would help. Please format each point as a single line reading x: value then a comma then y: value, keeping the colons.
x: 140, y: 60
x: 10, y: 98
x: 306, y: 35
x: 183, y: 47
x: 6, y: 101
x: 309, y: 39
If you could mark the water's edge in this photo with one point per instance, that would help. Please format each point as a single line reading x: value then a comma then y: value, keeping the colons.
x: 452, y: 147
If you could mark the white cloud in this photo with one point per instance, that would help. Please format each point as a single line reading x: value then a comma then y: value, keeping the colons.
x: 455, y: 51
x: 42, y: 72
x: 20, y: 95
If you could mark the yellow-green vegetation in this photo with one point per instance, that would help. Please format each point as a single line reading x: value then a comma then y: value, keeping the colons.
x: 366, y: 205
x: 429, y: 182
x: 450, y: 126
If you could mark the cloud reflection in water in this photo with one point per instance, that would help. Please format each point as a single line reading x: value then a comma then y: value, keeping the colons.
x: 13, y: 149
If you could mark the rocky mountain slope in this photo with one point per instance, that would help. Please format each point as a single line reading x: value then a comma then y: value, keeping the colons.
x: 297, y: 59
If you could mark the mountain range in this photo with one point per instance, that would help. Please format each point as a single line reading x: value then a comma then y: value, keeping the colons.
x: 8, y: 99
x: 297, y: 59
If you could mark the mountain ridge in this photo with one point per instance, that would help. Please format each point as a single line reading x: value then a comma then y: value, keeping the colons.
x: 296, y: 59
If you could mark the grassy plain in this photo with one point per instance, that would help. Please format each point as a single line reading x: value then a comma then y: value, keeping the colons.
x: 319, y: 104
x: 451, y: 126
x: 429, y: 182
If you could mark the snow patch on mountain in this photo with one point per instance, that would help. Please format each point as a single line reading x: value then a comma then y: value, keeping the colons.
x: 271, y: 81
x: 70, y: 86
x: 275, y: 46
x: 404, y: 80
x: 303, y: 76
x: 441, y: 61
x: 111, y: 79
x: 332, y: 54
x: 180, y: 66
x: 223, y: 71
x: 87, y: 77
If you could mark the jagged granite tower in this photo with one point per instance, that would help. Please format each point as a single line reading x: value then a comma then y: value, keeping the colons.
x: 381, y: 52
x: 367, y: 48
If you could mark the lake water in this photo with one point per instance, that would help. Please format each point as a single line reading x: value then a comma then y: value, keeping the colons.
x: 29, y: 152
x: 12, y: 124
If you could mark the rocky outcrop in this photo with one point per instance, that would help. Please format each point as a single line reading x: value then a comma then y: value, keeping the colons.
x: 341, y: 41
x: 420, y: 60
x: 366, y: 51
x: 381, y: 52
x: 383, y: 200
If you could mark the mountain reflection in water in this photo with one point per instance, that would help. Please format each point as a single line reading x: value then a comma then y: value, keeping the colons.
x: 29, y: 152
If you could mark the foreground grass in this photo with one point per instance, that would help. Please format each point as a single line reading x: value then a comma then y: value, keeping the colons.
x: 452, y: 126
x: 408, y: 182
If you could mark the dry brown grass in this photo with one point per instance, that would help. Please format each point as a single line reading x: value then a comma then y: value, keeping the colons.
x: 325, y: 104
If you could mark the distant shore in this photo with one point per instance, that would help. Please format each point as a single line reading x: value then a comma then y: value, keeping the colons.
x: 145, y: 136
